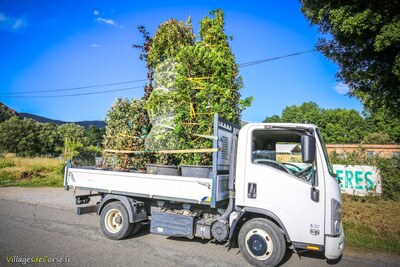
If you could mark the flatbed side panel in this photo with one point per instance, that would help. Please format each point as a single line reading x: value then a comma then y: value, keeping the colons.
x: 67, y: 166
x: 224, y: 130
x: 176, y: 187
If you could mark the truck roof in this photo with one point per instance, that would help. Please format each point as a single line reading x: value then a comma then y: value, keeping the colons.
x: 300, y: 126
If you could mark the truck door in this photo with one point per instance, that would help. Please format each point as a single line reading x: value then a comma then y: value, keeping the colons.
x: 278, y: 182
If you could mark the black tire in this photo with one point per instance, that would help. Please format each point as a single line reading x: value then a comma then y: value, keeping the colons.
x: 136, y: 227
x: 114, y: 221
x: 262, y: 242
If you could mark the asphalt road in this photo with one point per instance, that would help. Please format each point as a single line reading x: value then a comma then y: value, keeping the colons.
x: 42, y: 222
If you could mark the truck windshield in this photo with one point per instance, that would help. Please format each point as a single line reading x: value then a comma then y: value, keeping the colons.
x: 328, y: 163
x: 281, y: 150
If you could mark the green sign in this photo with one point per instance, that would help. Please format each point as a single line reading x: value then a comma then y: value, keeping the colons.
x: 357, y: 179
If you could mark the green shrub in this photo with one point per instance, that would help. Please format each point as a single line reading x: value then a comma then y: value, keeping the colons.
x: 389, y: 170
x: 60, y: 169
x: 4, y: 163
x: 7, y: 178
x: 351, y: 158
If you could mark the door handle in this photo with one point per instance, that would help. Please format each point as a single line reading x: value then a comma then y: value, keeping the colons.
x: 252, y: 190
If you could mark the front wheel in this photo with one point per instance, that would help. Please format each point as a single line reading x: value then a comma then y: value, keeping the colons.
x: 114, y: 221
x: 262, y: 242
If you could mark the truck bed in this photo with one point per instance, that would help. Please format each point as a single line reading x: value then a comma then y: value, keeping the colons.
x: 176, y: 188
x: 212, y: 191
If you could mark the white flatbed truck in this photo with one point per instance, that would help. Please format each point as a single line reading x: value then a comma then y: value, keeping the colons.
x: 253, y: 197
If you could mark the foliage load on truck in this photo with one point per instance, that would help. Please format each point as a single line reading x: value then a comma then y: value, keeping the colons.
x: 194, y: 79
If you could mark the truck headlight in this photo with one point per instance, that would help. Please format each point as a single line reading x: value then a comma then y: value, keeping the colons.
x: 336, y: 217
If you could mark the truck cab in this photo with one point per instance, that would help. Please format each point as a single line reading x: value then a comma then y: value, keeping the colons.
x: 283, y: 175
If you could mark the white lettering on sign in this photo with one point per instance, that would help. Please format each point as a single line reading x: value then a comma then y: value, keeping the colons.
x: 358, y: 179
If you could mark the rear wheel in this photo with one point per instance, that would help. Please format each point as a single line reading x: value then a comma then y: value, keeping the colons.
x: 114, y: 221
x: 262, y: 242
x: 136, y: 227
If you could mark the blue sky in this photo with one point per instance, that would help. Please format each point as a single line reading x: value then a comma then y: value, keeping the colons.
x: 49, y: 45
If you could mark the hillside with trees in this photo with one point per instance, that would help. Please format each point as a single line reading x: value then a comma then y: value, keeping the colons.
x: 86, y: 124
x: 27, y: 137
x: 6, y: 112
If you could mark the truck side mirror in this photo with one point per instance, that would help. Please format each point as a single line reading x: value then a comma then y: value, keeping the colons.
x: 307, y: 148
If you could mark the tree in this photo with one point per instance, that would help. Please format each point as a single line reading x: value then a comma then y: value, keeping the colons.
x: 29, y: 144
x: 364, y: 40
x: 342, y: 126
x: 272, y: 119
x: 27, y: 137
x: 6, y: 112
x: 50, y: 140
x: 10, y: 135
x: 377, y: 138
x: 336, y: 125
x: 95, y: 135
x: 380, y: 121
x: 73, y: 137
x: 308, y: 112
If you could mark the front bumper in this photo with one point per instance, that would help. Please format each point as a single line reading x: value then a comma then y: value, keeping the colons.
x: 334, y: 246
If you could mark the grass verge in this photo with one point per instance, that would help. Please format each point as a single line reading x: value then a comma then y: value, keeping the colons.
x: 372, y: 223
x: 31, y: 172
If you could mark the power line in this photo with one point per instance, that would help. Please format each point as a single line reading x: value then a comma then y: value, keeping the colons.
x: 16, y: 94
x: 80, y: 94
x: 251, y: 63
x: 74, y: 88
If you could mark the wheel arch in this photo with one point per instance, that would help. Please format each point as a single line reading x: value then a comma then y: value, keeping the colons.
x: 131, y: 205
x: 252, y: 213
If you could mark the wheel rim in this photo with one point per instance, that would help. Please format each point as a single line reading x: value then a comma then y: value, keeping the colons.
x: 259, y: 244
x: 113, y: 220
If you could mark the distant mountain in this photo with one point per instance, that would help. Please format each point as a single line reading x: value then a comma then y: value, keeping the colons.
x: 86, y: 124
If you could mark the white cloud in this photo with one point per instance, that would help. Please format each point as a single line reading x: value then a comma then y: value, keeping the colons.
x: 108, y: 22
x: 96, y: 13
x: 95, y: 45
x: 11, y: 23
x: 341, y: 88
x: 18, y: 24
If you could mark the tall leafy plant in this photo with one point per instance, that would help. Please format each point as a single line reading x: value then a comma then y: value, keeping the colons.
x: 207, y: 82
x: 189, y: 81
x: 166, y: 43
x: 127, y: 124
